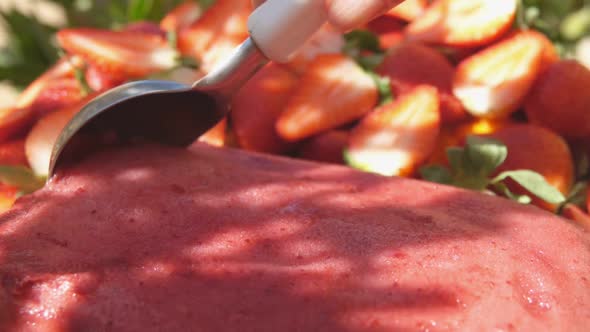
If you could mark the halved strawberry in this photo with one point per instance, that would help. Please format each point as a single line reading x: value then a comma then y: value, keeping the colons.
x: 13, y: 153
x: 389, y: 30
x: 101, y: 80
x: 409, y: 10
x: 8, y: 196
x: 182, y: 16
x: 42, y: 137
x: 560, y: 101
x: 463, y: 22
x: 334, y: 91
x: 494, y: 82
x: 217, y: 33
x: 64, y: 68
x: 61, y: 93
x: 15, y: 121
x: 327, y: 147
x: 258, y: 105
x: 215, y: 136
x: 146, y: 27
x: 413, y: 64
x: 122, y: 53
x: 577, y: 215
x: 397, y: 138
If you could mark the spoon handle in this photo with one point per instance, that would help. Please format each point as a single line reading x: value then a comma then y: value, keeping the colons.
x: 280, y: 27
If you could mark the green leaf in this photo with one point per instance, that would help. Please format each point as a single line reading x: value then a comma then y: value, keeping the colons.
x: 534, y: 183
x: 483, y: 155
x: 361, y: 40
x: 384, y: 88
x: 437, y: 174
x: 20, y: 177
x: 455, y: 157
x: 505, y: 191
x: 576, y: 25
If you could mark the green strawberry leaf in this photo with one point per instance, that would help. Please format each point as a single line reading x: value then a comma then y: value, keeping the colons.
x: 483, y: 155
x: 455, y: 157
x: 361, y: 40
x: 21, y: 177
x: 436, y: 174
x: 505, y: 191
x: 383, y: 87
x: 534, y: 183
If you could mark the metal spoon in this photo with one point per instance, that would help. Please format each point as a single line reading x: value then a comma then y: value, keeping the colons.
x: 176, y: 114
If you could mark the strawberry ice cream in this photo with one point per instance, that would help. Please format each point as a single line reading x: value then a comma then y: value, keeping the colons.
x: 162, y: 239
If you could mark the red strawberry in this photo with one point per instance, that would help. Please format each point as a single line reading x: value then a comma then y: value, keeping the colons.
x: 397, y: 138
x: 334, y: 91
x: 577, y: 215
x: 13, y: 153
x: 463, y: 22
x: 560, y: 100
x: 389, y: 29
x: 42, y: 137
x: 149, y: 28
x: 120, y: 53
x: 215, y: 136
x: 182, y: 16
x: 494, y: 82
x: 413, y: 64
x: 8, y: 196
x: 60, y: 93
x: 216, y: 34
x: 64, y: 68
x: 257, y: 106
x: 409, y: 10
x: 100, y: 80
x: 14, y: 121
x: 327, y: 147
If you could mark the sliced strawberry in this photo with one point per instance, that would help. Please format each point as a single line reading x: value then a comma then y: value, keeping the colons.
x: 60, y: 93
x: 121, y: 53
x: 397, y: 138
x: 333, y: 91
x: 560, y: 100
x: 42, y: 137
x: 577, y: 215
x: 15, y: 121
x: 216, y: 136
x: 413, y: 64
x: 145, y: 27
x: 409, y: 10
x: 463, y: 22
x: 217, y: 33
x: 101, y: 80
x: 389, y: 30
x: 13, y: 153
x: 182, y: 16
x: 494, y: 82
x: 258, y: 105
x: 8, y: 196
x: 64, y: 68
x: 327, y: 147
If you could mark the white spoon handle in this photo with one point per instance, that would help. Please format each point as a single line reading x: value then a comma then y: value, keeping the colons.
x: 280, y: 27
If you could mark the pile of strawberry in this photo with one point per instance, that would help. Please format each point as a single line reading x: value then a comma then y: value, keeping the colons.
x: 449, y: 91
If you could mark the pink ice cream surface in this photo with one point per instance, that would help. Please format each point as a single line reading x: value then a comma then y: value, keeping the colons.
x: 162, y: 239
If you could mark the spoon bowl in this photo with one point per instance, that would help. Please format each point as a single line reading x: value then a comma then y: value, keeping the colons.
x: 160, y: 111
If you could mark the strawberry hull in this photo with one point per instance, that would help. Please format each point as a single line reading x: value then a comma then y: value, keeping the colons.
x: 150, y: 238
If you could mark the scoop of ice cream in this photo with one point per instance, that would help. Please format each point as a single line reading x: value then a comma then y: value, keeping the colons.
x: 161, y: 239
